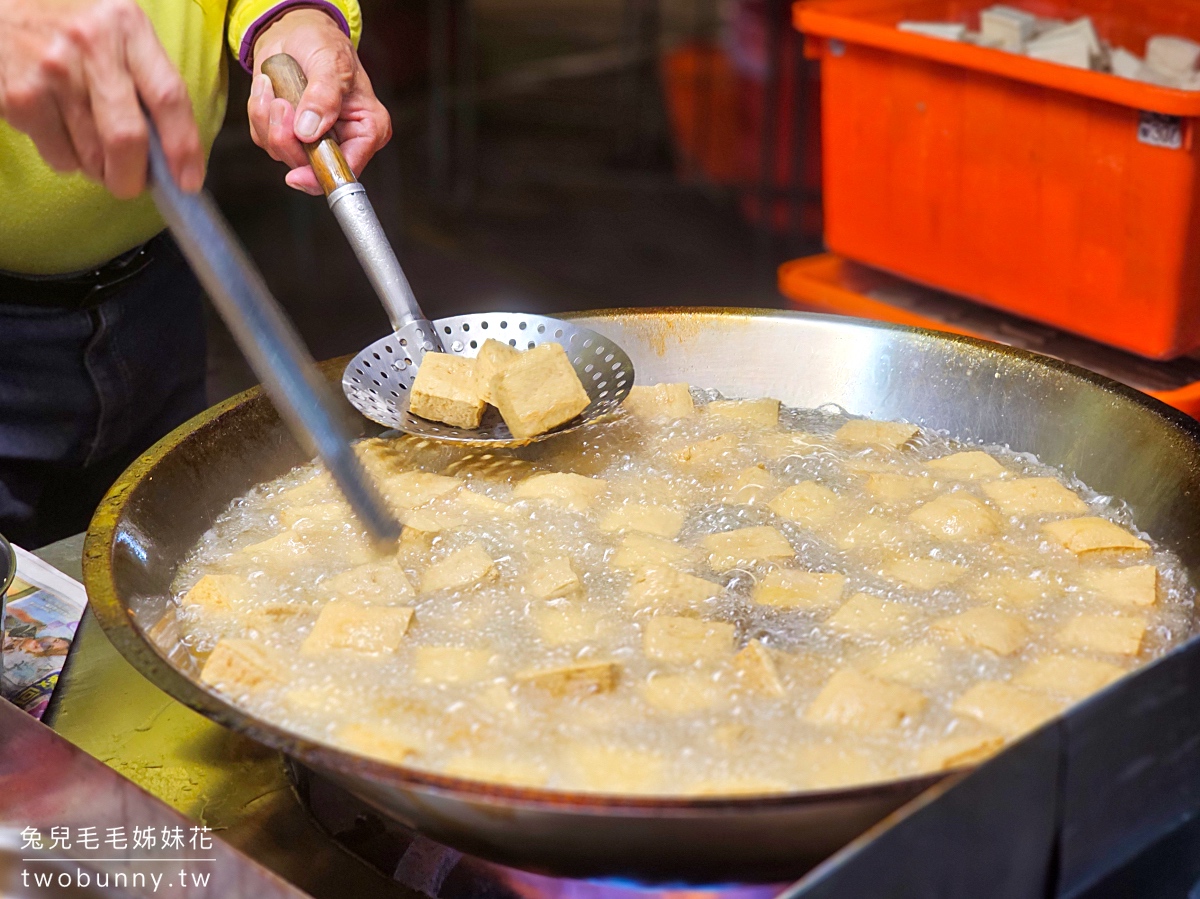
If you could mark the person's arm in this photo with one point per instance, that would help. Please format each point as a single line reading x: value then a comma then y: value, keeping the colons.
x: 321, y: 36
x: 72, y: 73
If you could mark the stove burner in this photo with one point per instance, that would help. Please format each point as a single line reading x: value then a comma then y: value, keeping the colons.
x: 439, y: 872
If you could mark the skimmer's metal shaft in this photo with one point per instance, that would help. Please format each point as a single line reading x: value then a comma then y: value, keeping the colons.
x: 353, y: 210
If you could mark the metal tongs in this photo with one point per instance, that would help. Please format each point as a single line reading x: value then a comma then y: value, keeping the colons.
x: 378, y: 380
x: 268, y: 340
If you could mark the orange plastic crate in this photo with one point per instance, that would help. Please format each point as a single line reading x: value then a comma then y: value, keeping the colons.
x: 704, y: 106
x: 1026, y: 185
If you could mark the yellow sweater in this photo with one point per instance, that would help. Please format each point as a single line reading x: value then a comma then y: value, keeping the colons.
x: 54, y: 224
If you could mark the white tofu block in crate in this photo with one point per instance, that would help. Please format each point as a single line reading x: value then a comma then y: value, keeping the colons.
x: 1074, y: 45
x: 1125, y: 64
x: 1173, y: 56
x: 1006, y: 28
x: 947, y: 31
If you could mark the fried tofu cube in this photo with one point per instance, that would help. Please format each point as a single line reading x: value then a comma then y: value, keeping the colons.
x: 414, y: 546
x: 553, y: 579
x: 986, y: 628
x: 1092, y: 536
x: 886, y: 434
x: 621, y: 770
x: 830, y: 766
x: 1068, y: 676
x: 888, y: 487
x: 489, y: 467
x: 867, y: 533
x: 808, y: 503
x: 756, y: 669
x: 238, y: 666
x: 958, y: 752
x: 467, y: 506
x: 1034, y: 496
x: 579, y: 679
x: 377, y: 453
x: 1136, y: 585
x: 640, y: 488
x: 868, y: 462
x: 1015, y: 591
x: 682, y: 694
x: 272, y: 616
x: 450, y: 664
x: 638, y: 552
x: 779, y: 445
x: 649, y: 518
x: 281, y: 547
x: 357, y: 627
x: 376, y: 742
x: 750, y: 485
x: 318, y: 489
x: 922, y: 574
x: 966, y: 466
x: 1114, y: 634
x: 445, y: 390
x: 573, y: 491
x: 869, y: 616
x: 1007, y: 709
x: 746, y: 546
x: 424, y: 521
x: 373, y: 582
x: 732, y: 736
x: 787, y: 588
x: 859, y: 701
x: 919, y: 665
x: 760, y: 413
x: 217, y: 594
x: 671, y: 639
x: 669, y: 590
x: 412, y: 489
x: 957, y: 516
x: 707, y: 452
x: 538, y: 391
x: 462, y: 568
x: 498, y: 698
x: 662, y: 401
x: 515, y: 772
x: 564, y: 623
x: 494, y: 356
x: 300, y: 517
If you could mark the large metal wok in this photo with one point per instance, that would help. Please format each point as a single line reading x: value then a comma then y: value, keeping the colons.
x: 1119, y: 441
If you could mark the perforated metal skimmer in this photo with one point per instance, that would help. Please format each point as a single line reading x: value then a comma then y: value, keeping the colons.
x: 378, y: 381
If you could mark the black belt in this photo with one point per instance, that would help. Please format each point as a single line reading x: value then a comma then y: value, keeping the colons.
x: 81, y: 291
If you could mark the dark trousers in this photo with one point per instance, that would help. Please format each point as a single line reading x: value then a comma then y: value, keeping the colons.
x: 84, y: 392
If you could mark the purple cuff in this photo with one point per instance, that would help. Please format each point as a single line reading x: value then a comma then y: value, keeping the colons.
x: 246, y: 53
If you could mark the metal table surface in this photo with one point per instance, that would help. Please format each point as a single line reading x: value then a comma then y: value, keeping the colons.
x: 216, y: 777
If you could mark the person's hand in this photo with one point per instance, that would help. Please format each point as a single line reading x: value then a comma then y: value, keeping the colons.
x: 72, y: 73
x: 339, y: 96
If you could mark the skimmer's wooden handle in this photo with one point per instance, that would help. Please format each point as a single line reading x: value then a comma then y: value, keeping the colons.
x: 287, y: 78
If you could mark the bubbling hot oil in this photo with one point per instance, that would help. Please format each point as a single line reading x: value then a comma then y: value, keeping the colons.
x: 485, y: 724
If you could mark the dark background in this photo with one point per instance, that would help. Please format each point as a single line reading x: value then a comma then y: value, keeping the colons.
x: 535, y: 166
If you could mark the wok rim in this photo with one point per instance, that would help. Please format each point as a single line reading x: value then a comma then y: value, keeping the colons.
x: 8, y: 574
x: 141, y: 652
